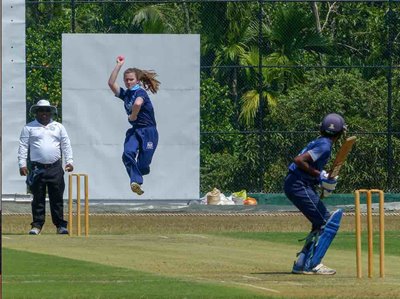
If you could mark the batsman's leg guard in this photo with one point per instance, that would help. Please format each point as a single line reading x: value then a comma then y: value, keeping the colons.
x: 305, y: 252
x: 324, y: 240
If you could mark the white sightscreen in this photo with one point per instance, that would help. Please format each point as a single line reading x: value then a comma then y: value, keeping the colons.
x: 96, y: 121
x: 13, y: 93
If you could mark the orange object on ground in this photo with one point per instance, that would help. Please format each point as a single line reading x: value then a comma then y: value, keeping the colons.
x: 250, y: 201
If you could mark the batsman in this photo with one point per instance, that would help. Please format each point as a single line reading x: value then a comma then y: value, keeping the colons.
x: 305, y: 174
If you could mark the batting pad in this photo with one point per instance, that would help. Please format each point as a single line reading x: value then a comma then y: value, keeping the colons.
x: 325, y: 240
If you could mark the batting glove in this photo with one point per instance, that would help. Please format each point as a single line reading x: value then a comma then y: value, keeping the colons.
x: 328, y: 184
x: 326, y: 193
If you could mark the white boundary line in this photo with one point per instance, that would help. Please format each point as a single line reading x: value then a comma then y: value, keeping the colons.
x: 257, y: 287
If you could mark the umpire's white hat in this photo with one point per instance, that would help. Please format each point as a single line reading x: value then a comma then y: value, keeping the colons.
x: 43, y: 104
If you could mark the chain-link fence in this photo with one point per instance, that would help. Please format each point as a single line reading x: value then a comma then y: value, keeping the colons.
x: 270, y: 70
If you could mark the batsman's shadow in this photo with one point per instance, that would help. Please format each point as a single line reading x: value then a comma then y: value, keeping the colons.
x: 272, y: 273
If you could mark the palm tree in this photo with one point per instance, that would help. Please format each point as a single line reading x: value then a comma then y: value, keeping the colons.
x: 292, y: 37
x: 293, y: 33
x: 251, y: 98
x: 152, y: 20
x: 239, y: 35
x: 164, y: 18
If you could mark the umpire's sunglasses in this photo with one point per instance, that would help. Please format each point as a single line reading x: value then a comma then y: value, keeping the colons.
x: 44, y: 110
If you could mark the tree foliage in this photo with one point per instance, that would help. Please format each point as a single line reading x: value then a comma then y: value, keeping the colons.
x: 43, y: 54
x: 278, y: 77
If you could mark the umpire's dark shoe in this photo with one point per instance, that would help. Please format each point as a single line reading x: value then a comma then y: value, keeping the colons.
x: 35, y: 231
x: 62, y: 230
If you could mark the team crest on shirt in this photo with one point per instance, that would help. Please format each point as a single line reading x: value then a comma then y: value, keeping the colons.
x: 52, y: 128
x: 149, y: 145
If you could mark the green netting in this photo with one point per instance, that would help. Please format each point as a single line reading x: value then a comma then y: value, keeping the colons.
x: 267, y: 203
x: 333, y: 200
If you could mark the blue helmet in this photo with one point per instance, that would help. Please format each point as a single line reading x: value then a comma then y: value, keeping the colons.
x: 332, y: 125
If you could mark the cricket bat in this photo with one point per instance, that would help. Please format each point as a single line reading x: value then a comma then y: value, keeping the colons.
x: 341, y: 157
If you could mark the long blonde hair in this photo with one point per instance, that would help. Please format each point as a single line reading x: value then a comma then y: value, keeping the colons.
x: 148, y: 78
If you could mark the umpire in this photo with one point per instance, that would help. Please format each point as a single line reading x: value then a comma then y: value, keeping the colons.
x: 46, y: 141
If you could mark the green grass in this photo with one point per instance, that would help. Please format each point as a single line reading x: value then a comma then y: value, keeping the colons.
x: 188, y: 257
x: 33, y: 275
x: 343, y: 240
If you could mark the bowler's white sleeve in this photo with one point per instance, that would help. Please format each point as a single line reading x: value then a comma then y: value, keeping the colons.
x: 23, y: 147
x: 66, y: 146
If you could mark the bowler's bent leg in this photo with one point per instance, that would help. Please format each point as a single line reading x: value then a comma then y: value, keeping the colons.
x: 148, y: 143
x: 131, y: 146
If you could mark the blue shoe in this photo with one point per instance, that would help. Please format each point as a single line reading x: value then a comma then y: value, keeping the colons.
x: 62, y: 230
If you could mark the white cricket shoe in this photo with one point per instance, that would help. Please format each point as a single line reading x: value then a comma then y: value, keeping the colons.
x: 320, y: 270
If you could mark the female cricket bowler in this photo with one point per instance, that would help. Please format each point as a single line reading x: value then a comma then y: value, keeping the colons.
x: 305, y: 174
x: 142, y: 138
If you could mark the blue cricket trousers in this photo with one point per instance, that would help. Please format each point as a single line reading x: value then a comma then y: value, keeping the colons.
x: 304, y: 196
x: 139, y: 147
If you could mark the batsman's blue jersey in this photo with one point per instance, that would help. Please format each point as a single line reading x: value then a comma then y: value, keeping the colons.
x: 320, y: 151
x: 145, y: 116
